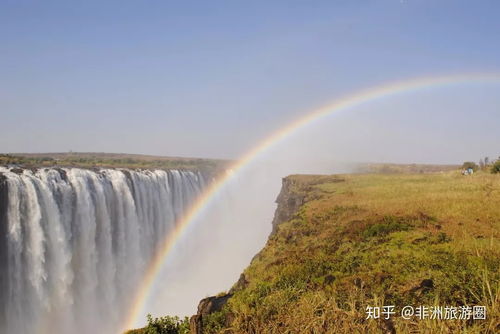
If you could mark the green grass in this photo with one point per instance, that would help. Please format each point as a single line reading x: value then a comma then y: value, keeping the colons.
x: 372, y: 240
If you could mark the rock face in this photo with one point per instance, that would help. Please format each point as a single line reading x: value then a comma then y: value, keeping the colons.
x: 289, y: 201
x: 205, y: 307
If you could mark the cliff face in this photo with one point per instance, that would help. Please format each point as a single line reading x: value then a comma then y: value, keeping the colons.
x: 206, y: 307
x: 289, y: 200
x: 292, y: 196
x: 296, y: 190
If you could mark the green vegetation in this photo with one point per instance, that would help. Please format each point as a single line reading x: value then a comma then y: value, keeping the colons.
x: 93, y: 160
x: 495, y: 168
x: 163, y: 325
x: 374, y: 240
x: 470, y: 164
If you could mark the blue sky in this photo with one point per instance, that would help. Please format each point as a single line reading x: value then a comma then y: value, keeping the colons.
x: 212, y: 78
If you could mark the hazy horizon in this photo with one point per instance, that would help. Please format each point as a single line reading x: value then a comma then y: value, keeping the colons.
x: 492, y: 158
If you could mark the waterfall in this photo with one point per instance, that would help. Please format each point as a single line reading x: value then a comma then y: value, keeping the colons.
x: 74, y: 243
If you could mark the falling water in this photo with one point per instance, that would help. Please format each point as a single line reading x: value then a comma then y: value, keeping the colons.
x: 75, y: 242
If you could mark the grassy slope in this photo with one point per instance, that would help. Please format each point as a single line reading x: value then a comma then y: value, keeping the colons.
x: 372, y: 240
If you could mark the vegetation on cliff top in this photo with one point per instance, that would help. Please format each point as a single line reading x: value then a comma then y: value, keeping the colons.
x: 374, y: 240
x: 111, y: 160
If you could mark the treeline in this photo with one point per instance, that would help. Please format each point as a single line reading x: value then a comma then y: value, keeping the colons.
x: 96, y: 161
x: 7, y: 159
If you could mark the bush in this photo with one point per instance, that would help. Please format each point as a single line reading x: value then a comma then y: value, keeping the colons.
x: 167, y: 325
x: 495, y: 169
x: 470, y: 164
x: 388, y: 225
x: 214, y: 322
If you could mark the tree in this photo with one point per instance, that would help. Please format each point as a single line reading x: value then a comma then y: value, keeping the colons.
x: 470, y: 164
x: 481, y: 164
x: 495, y: 169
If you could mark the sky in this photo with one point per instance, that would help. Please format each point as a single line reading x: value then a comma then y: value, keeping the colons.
x: 212, y: 78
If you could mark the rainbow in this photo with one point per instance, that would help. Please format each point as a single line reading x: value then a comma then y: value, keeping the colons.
x: 343, y: 104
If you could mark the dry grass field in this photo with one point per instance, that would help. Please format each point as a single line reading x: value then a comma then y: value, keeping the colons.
x: 374, y: 240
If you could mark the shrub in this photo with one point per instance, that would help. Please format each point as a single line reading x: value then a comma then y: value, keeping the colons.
x: 495, y: 169
x: 388, y: 225
x: 167, y: 325
x: 214, y: 322
x: 470, y: 164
